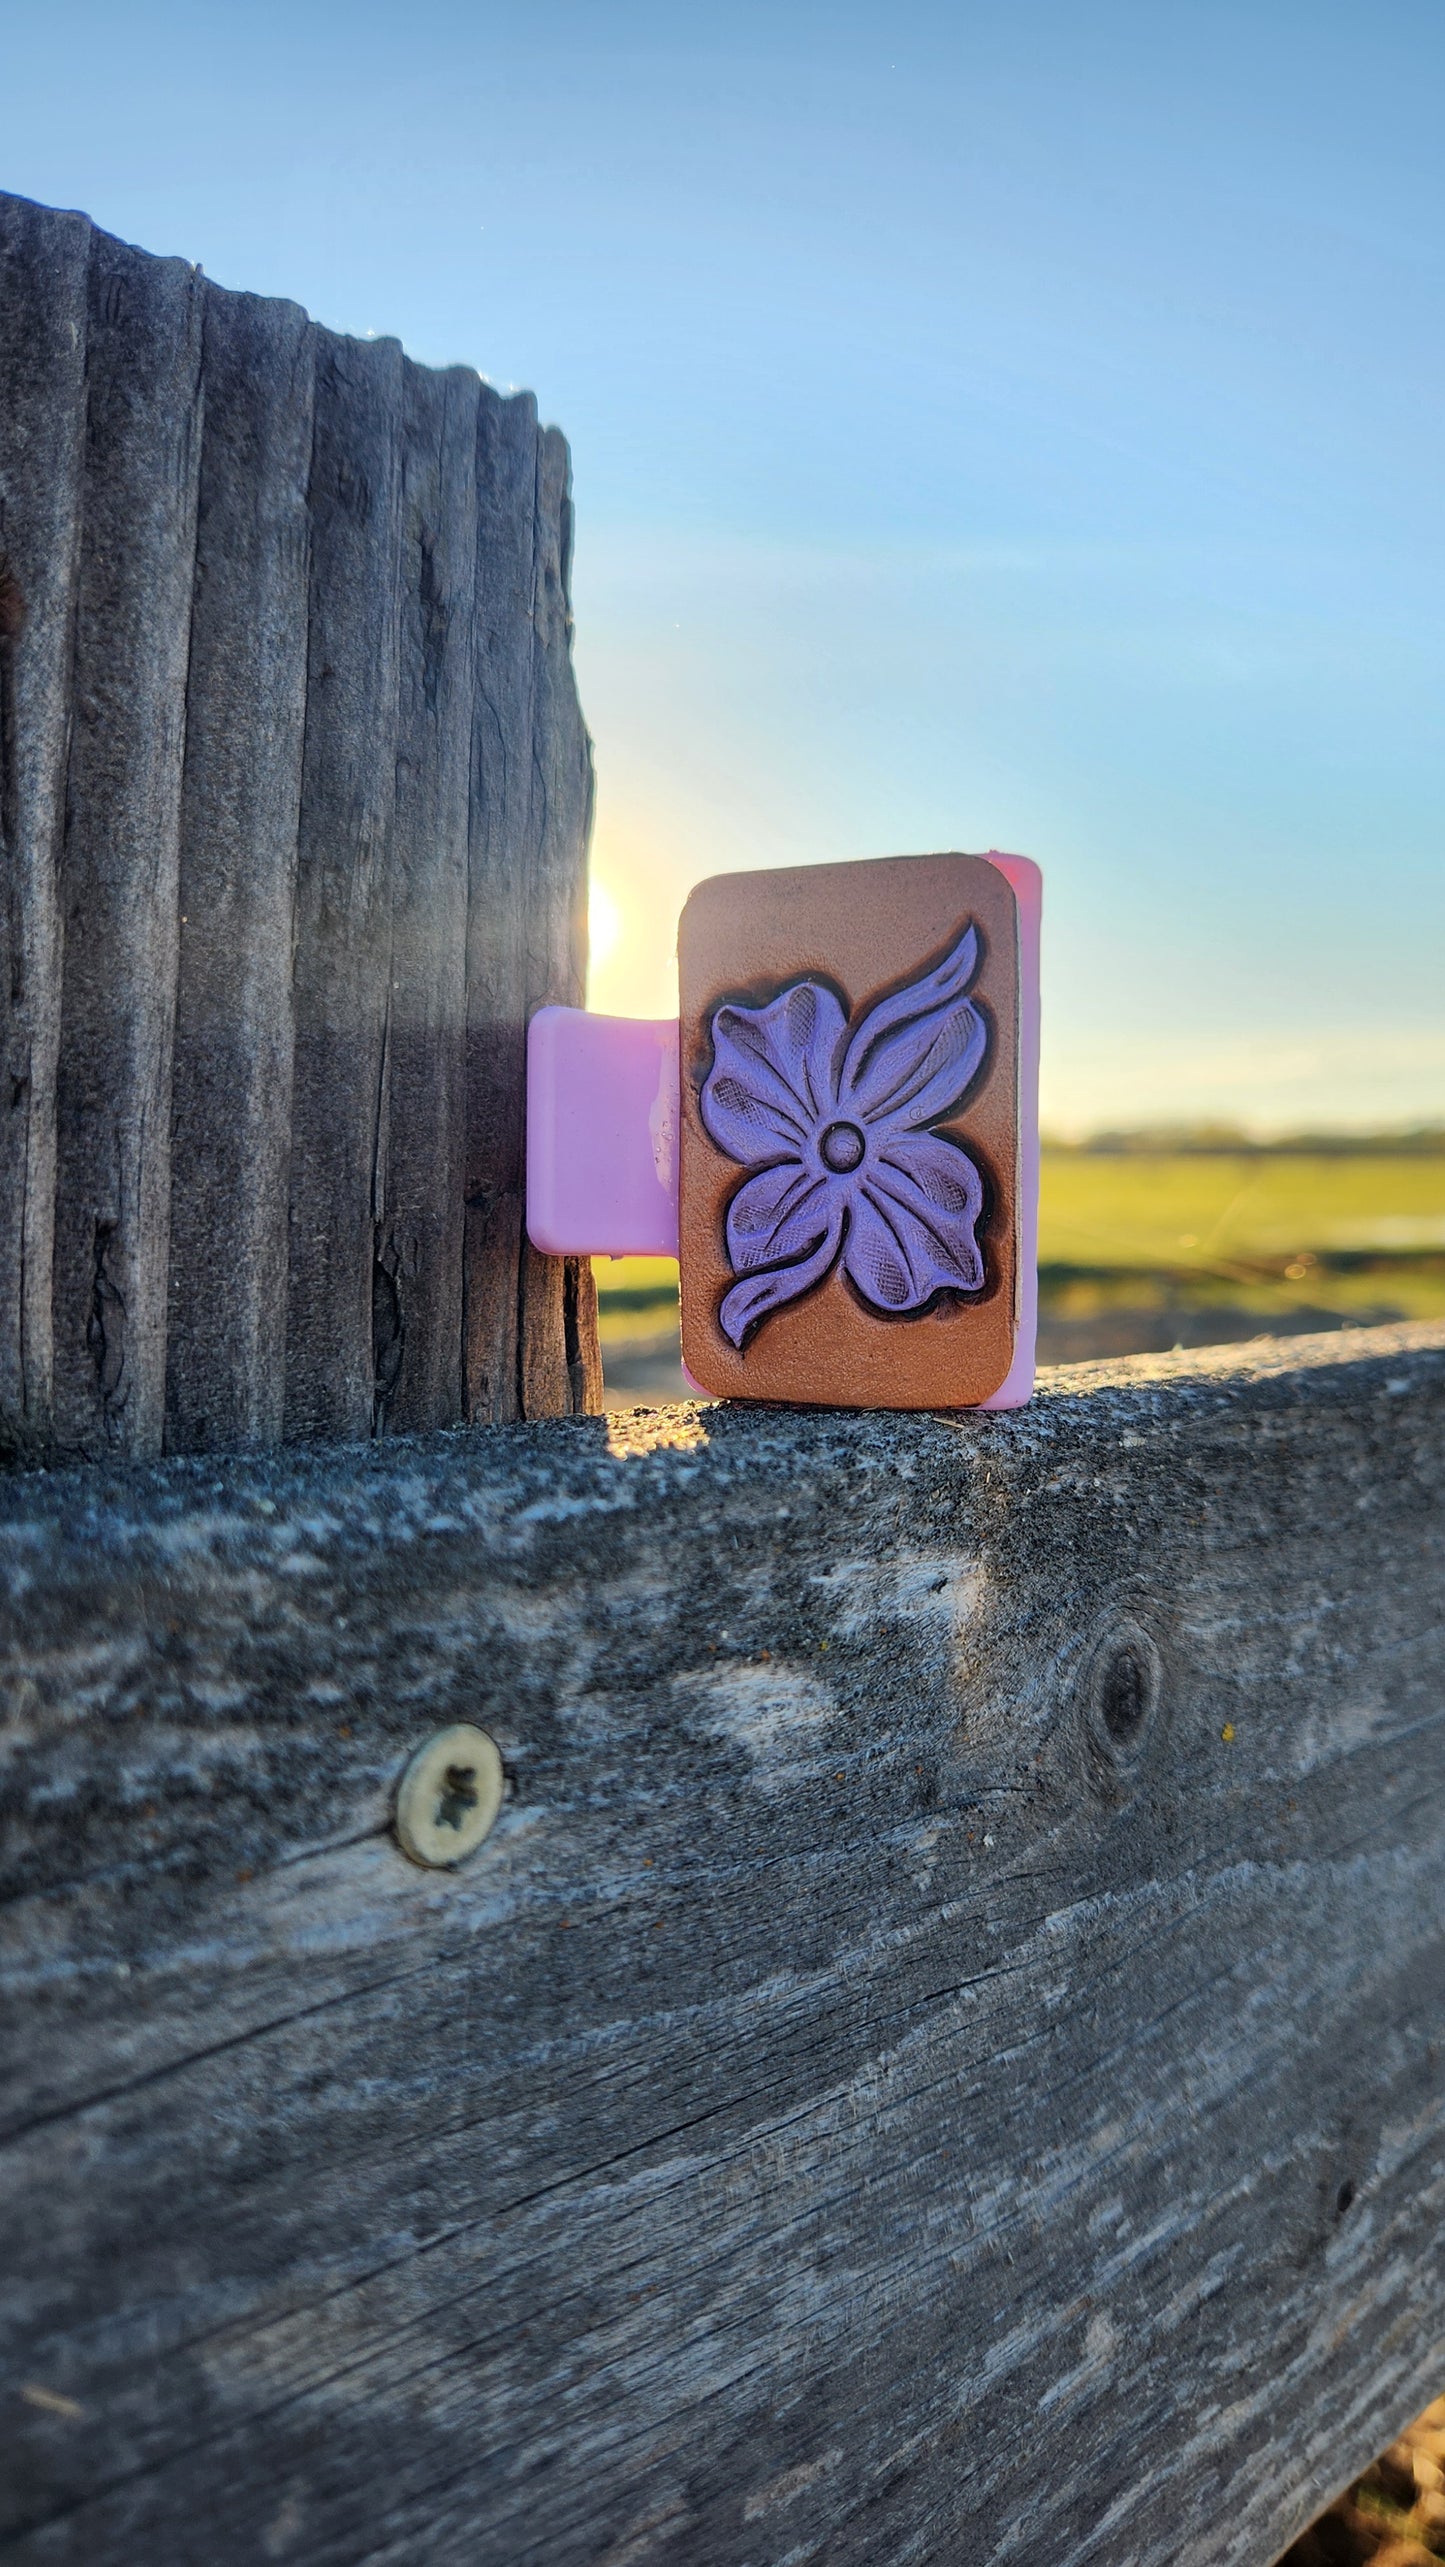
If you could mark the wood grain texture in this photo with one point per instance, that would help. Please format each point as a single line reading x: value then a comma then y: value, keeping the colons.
x: 938, y: 2061
x: 418, y: 1256
x: 246, y: 691
x: 285, y: 697
x: 344, y: 884
x: 44, y: 262
x: 529, y: 1321
x: 560, y: 1367
x: 502, y: 821
x: 120, y: 864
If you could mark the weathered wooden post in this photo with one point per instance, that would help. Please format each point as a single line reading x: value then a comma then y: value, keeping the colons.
x: 294, y: 797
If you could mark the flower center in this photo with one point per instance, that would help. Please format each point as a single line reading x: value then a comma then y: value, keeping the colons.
x: 841, y: 1148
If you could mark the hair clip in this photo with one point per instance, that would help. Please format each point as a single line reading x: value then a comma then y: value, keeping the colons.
x: 838, y: 1140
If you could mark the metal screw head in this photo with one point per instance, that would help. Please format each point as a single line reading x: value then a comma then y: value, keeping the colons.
x: 449, y: 1796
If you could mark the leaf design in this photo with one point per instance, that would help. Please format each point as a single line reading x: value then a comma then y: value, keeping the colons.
x: 911, y: 1233
x: 777, y: 1216
x: 746, y: 1303
x: 918, y: 1050
x: 772, y: 1069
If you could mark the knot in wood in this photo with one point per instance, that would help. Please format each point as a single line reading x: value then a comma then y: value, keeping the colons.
x: 1122, y: 1685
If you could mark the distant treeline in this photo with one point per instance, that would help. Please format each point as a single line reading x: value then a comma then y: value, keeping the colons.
x: 1184, y: 1140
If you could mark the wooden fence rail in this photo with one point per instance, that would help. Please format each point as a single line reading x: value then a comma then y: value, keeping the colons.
x: 940, y: 2059
x: 294, y: 795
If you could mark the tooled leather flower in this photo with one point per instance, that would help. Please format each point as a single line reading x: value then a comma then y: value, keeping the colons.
x: 835, y: 1126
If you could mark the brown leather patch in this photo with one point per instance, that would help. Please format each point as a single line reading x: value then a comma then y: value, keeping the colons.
x: 864, y: 932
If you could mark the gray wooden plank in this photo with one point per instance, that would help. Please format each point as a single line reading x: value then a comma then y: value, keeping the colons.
x: 936, y: 2061
x: 245, y: 718
x: 560, y: 1367
x: 502, y: 812
x: 343, y: 904
x: 118, y: 875
x: 419, y: 1230
x: 44, y: 260
x: 530, y: 1321
x: 562, y: 766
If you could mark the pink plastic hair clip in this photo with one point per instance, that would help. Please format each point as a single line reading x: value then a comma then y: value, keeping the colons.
x: 838, y: 1139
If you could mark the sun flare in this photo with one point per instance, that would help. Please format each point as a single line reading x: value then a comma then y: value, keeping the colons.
x: 604, y: 924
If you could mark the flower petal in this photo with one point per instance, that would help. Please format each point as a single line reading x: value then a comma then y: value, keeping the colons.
x: 773, y: 1074
x: 936, y: 1183
x: 746, y: 1303
x: 912, y: 1229
x: 776, y: 1216
x: 916, y: 1052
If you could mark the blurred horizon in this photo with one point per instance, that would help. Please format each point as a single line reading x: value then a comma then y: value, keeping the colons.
x: 994, y: 424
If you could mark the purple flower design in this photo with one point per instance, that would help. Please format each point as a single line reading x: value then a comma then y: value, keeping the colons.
x: 835, y: 1127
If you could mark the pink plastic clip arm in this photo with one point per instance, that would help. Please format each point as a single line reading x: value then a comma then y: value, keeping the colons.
x: 602, y: 1120
x: 602, y: 1114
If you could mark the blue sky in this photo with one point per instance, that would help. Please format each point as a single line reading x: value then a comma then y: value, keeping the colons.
x: 1014, y: 423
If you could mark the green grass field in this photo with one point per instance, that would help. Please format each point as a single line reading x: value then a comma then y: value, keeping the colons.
x: 1352, y: 1233
x: 1208, y: 1212
x: 1356, y: 1235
